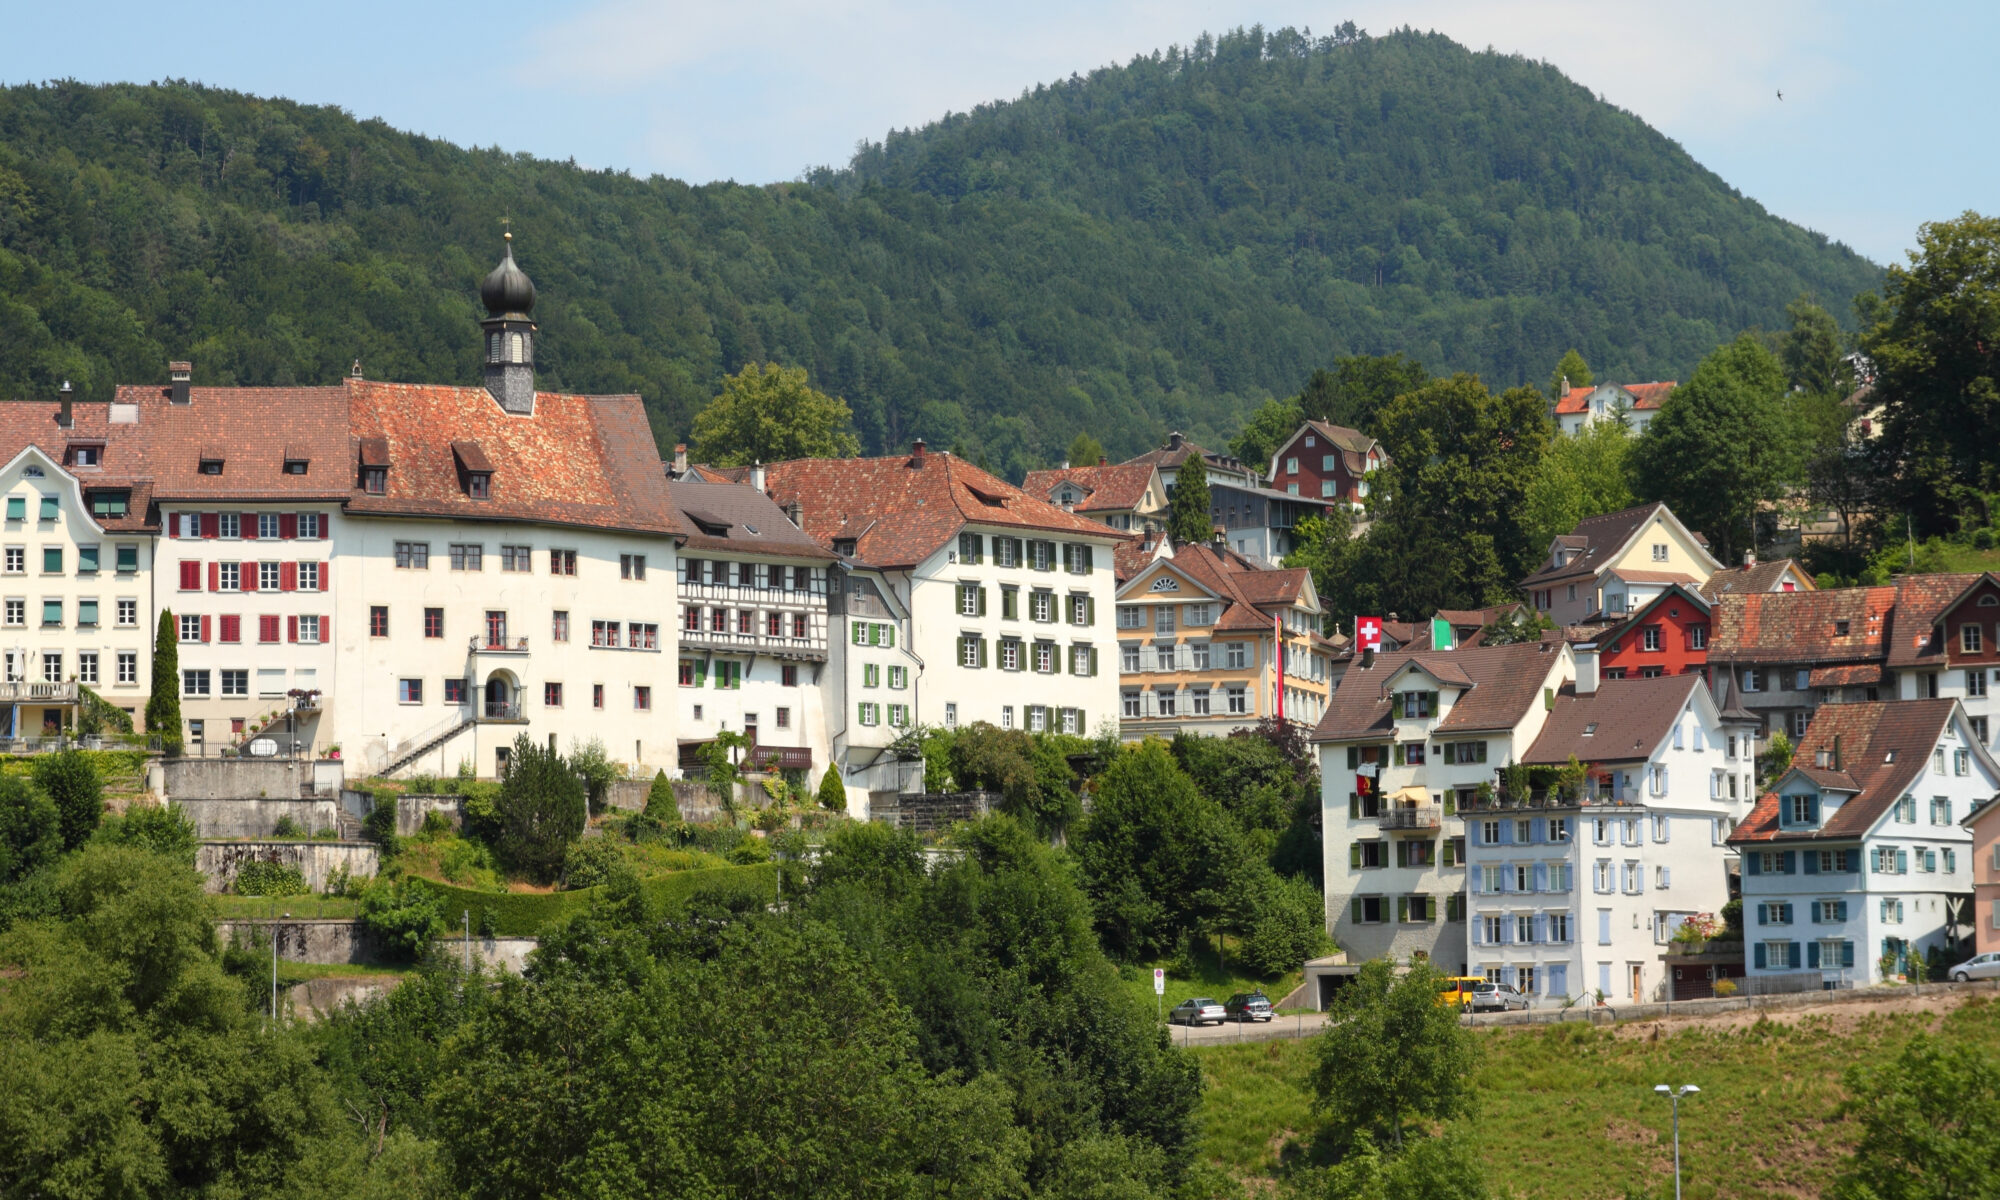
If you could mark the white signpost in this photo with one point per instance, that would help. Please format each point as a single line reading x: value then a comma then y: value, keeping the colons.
x: 1159, y: 990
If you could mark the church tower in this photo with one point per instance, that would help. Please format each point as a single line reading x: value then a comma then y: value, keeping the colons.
x: 509, y: 297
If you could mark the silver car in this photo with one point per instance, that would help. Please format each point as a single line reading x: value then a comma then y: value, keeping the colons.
x: 1198, y: 1011
x: 1979, y: 966
x: 1495, y: 997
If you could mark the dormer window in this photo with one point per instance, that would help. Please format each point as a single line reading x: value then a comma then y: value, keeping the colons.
x: 475, y: 470
x: 1840, y: 628
x: 844, y: 547
x: 295, y: 466
x: 479, y: 485
x: 211, y: 466
x: 375, y: 465
x: 86, y: 454
x: 375, y: 480
x: 109, y: 504
x: 1802, y: 810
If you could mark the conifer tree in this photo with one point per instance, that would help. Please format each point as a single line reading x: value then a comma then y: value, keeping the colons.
x: 832, y: 792
x: 1188, y: 517
x: 163, y: 709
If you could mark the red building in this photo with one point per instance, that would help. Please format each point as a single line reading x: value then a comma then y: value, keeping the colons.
x: 1327, y: 462
x: 1668, y: 635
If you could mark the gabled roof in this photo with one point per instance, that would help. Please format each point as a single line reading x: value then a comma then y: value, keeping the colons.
x: 1245, y: 589
x: 902, y: 509
x: 1352, y: 444
x: 253, y: 431
x: 1597, y: 541
x: 1625, y: 720
x: 1915, y: 639
x: 1505, y: 680
x: 1113, y: 487
x: 33, y: 423
x: 1133, y: 555
x: 1822, y: 777
x: 1758, y: 577
x: 1177, y: 451
x: 1800, y: 627
x: 1648, y: 396
x: 737, y: 518
x: 1882, y: 747
x: 1678, y: 592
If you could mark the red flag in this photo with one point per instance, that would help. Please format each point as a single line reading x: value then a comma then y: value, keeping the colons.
x: 1368, y: 633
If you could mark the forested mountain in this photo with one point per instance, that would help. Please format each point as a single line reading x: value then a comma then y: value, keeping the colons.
x: 1152, y: 246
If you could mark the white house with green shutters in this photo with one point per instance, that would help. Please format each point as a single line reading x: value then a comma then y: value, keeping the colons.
x: 1857, y: 857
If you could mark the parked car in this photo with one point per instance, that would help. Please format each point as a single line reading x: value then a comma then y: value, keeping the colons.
x: 1495, y: 997
x: 1249, y: 1006
x: 1980, y: 966
x: 1456, y: 990
x: 1198, y: 1011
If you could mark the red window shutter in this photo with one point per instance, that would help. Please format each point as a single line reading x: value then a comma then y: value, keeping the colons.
x: 288, y: 577
x: 325, y: 570
x: 173, y: 525
x: 325, y: 519
x: 207, y: 626
x: 291, y: 629
x: 191, y: 575
x: 267, y: 629
x: 211, y: 525
x: 288, y: 525
x: 232, y: 629
x: 326, y: 630
x: 215, y: 577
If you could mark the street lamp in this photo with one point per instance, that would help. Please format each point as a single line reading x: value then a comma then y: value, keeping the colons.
x: 1671, y: 1094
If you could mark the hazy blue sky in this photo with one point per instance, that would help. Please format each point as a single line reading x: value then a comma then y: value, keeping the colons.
x: 1883, y: 125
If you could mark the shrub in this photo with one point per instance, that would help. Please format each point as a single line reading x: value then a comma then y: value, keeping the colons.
x: 525, y: 914
x: 1725, y: 987
x: 660, y: 802
x: 832, y: 792
x: 260, y: 877
x: 750, y: 849
x: 1287, y: 928
x: 71, y: 780
x: 153, y: 827
x: 591, y: 863
x: 436, y: 824
x: 1982, y: 539
x: 30, y: 829
x: 540, y: 811
x: 589, y: 760
x: 379, y: 826
x: 423, y: 785
x: 403, y: 917
x: 287, y: 828
x: 163, y: 707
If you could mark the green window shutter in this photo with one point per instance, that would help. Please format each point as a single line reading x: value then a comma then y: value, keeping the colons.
x: 1357, y: 910
x: 1451, y: 804
x: 1090, y: 611
x: 17, y: 508
x: 1354, y: 862
x: 1093, y: 661
x: 1353, y: 758
x: 1082, y: 726
x: 701, y: 673
x: 1354, y: 806
x: 1089, y: 554
x: 49, y: 508
x: 982, y: 651
x: 982, y: 601
x: 889, y: 636
x: 1402, y: 908
x: 858, y: 632
x: 1010, y: 604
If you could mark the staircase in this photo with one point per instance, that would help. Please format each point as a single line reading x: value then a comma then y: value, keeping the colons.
x: 407, y: 753
x: 348, y: 825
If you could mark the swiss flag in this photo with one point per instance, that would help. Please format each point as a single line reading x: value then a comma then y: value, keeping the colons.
x: 1368, y: 633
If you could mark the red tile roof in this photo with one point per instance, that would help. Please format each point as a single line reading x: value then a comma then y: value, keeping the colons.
x: 1762, y: 577
x: 1245, y: 588
x: 1505, y: 680
x: 33, y: 423
x: 252, y: 430
x: 901, y: 509
x: 1118, y: 487
x: 1130, y: 557
x: 1799, y: 627
x: 1882, y: 747
x: 1921, y: 600
x: 1854, y: 675
x: 1648, y: 396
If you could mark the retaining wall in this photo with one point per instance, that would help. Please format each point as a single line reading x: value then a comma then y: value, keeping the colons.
x: 318, y: 999
x: 317, y: 861
x: 257, y: 818
x: 411, y: 811
x: 1659, y: 1011
x: 934, y: 812
x: 348, y: 942
x: 236, y: 778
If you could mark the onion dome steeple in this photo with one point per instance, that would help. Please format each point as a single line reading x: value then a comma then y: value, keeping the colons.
x: 509, y: 296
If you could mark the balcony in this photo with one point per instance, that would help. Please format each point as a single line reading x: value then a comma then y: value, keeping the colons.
x: 501, y: 710
x: 500, y: 645
x: 25, y: 692
x: 1420, y: 816
x: 753, y: 760
x: 778, y: 646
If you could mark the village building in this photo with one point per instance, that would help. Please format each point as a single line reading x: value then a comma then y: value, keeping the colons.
x: 1666, y: 635
x: 1128, y: 496
x: 1327, y: 462
x: 1634, y: 405
x: 1609, y: 565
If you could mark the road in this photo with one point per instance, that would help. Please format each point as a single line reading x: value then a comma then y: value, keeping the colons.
x: 1289, y: 1025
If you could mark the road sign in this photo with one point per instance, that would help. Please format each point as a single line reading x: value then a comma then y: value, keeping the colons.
x: 1159, y: 981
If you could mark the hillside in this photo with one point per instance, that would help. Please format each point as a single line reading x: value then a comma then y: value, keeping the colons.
x: 1152, y: 246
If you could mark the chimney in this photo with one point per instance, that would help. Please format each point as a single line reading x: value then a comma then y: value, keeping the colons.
x: 757, y: 475
x: 680, y: 459
x: 1065, y: 465
x: 180, y: 380
x: 1392, y: 619
x: 1836, y: 753
x: 917, y: 453
x: 67, y: 417
x: 1565, y: 386
x: 1103, y: 461
x: 354, y: 372
x: 1220, y: 537
x: 1586, y: 668
x: 1175, y: 440
x: 796, y: 514
x: 1749, y: 558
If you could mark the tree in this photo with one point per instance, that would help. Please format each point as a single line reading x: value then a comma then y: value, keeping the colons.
x: 163, y: 707
x: 1571, y: 368
x: 1085, y: 451
x: 1812, y: 351
x: 1391, y: 1056
x: 1326, y: 547
x: 1364, y: 385
x: 832, y: 792
x: 661, y: 804
x: 1517, y: 625
x: 1268, y: 428
x: 30, y: 829
x: 1722, y: 446
x: 591, y: 761
x: 1189, y: 520
x: 770, y: 413
x: 541, y: 809
x: 1584, y: 475
x: 70, y: 779
x: 1930, y: 1124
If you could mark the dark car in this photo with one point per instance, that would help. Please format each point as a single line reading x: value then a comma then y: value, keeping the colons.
x: 1248, y: 1006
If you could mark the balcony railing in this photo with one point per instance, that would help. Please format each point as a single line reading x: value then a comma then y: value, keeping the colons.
x: 1501, y: 800
x: 501, y: 710
x: 1421, y: 816
x: 24, y: 691
x: 796, y: 647
x: 750, y: 597
x: 754, y: 759
x: 501, y: 645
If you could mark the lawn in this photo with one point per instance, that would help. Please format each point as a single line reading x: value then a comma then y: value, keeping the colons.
x: 1214, y: 975
x: 1569, y: 1111
x: 297, y: 972
x: 301, y: 908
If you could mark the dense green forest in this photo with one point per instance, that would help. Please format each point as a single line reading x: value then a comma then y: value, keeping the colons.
x: 1153, y: 246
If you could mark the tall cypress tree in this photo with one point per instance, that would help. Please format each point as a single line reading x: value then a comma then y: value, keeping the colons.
x: 1188, y: 518
x: 163, y: 709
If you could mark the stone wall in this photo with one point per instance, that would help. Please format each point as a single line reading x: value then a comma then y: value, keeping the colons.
x: 934, y: 812
x: 236, y: 778
x: 317, y: 861
x: 628, y: 795
x: 348, y: 942
x: 317, y: 999
x: 411, y: 811
x: 258, y: 818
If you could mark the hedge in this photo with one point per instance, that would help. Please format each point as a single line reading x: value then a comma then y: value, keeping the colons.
x: 524, y: 914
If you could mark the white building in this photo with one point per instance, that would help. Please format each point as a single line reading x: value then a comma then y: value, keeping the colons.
x: 1008, y: 598
x: 1575, y: 893
x: 1858, y: 856
x: 753, y: 592
x: 1407, y: 744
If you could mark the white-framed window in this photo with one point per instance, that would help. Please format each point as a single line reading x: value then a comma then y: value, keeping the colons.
x: 308, y: 576
x: 1129, y: 704
x: 1200, y: 614
x: 1045, y: 658
x: 1237, y: 696
x: 194, y: 682
x: 1163, y: 702
x: 128, y: 666
x: 267, y: 525
x: 1128, y: 657
x: 86, y: 667
x: 1235, y: 656
x: 951, y: 715
x: 1131, y: 616
x: 1198, y: 702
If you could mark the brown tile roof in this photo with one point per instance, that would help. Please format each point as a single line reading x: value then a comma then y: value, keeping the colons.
x: 1352, y: 444
x: 1920, y: 601
x: 1836, y: 780
x: 740, y: 519
x: 252, y: 430
x: 1117, y: 487
x: 1130, y: 557
x: 33, y: 423
x: 1243, y: 585
x: 1505, y: 680
x: 901, y: 509
x: 1170, y: 456
x: 578, y: 460
x: 1762, y: 577
x: 1868, y: 736
x: 1633, y: 575
x: 1853, y: 675
x: 1599, y: 538
x: 1799, y: 627
x: 1624, y: 720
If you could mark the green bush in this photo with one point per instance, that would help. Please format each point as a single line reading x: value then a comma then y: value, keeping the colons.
x: 525, y: 914
x: 70, y: 779
x: 589, y: 760
x: 832, y: 792
x: 403, y: 916
x: 154, y: 827
x: 379, y: 826
x: 660, y: 802
x: 750, y: 849
x: 30, y: 829
x: 259, y: 877
x: 287, y: 828
x: 591, y: 863
x: 436, y: 824
x: 422, y: 785
x: 541, y: 810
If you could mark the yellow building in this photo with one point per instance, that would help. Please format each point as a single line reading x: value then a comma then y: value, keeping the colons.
x: 1200, y: 633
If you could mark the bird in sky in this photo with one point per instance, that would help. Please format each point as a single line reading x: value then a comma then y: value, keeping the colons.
x: 1781, y: 94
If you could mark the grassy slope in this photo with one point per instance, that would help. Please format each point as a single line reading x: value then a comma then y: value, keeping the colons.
x: 1212, y: 977
x: 1570, y: 1112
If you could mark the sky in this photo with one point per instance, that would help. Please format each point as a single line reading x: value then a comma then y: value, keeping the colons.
x: 1879, y: 128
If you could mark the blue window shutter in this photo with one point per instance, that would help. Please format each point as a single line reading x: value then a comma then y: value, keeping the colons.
x: 1604, y: 928
x: 1847, y: 954
x: 1506, y: 833
x: 1812, y: 954
x: 1761, y: 910
x: 1794, y: 955
x: 1812, y: 810
x: 1840, y: 914
x: 1812, y: 862
x: 1541, y: 927
x: 1813, y: 908
x: 1758, y: 952
x: 1753, y: 863
x: 1787, y: 864
x: 1902, y: 862
x: 1541, y: 877
x: 1509, y: 976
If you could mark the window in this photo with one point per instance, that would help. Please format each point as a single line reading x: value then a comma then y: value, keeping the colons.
x: 1238, y: 698
x: 1236, y: 656
x: 52, y: 560
x: 433, y: 623
x: 971, y: 600
x: 871, y: 675
x: 970, y: 547
x: 642, y: 696
x: 1042, y: 607
x: 971, y: 651
x: 308, y: 523
x: 309, y: 629
x: 194, y: 683
x: 267, y: 629
x: 128, y: 666
x: 190, y: 627
x: 415, y: 556
x: 604, y: 634
x: 899, y: 678
x: 409, y: 691
x: 17, y: 560
x: 552, y: 695
x: 269, y: 577
x: 562, y: 562
x: 1494, y: 929
x: 1961, y: 762
x: 1129, y: 704
x: 1892, y: 911
x: 1697, y: 637
x: 516, y: 558
x: 1083, y: 661
x: 631, y: 566
x: 1163, y: 702
x: 235, y: 682
x: 1969, y: 639
x: 1200, y: 614
x: 1659, y: 552
x: 378, y: 620
x: 1080, y: 610
x: 1649, y: 638
x: 86, y: 560
x: 375, y: 480
x: 128, y: 559
x: 1941, y: 808
x: 1975, y: 681
x: 869, y: 712
x: 1198, y: 701
x: 478, y: 484
x: 229, y: 577
x: 1292, y: 466
x: 899, y: 716
x: 467, y: 557
x: 1131, y: 616
x: 799, y: 625
x: 52, y: 612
